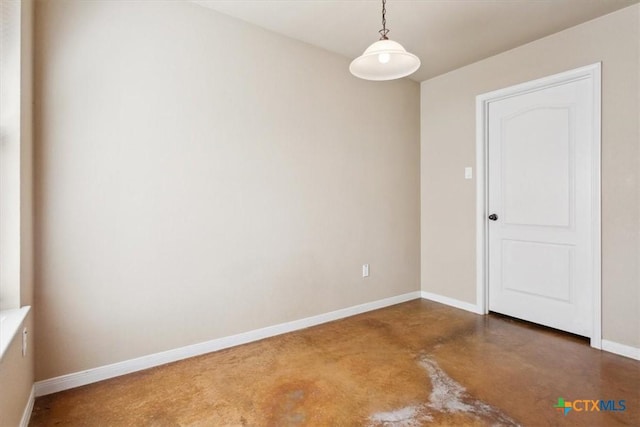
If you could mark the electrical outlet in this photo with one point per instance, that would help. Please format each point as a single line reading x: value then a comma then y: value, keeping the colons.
x: 365, y: 270
x: 24, y: 342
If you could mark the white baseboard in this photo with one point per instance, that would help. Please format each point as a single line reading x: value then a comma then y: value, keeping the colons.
x: 26, y: 415
x: 621, y: 349
x: 451, y: 302
x: 77, y: 379
x: 610, y: 346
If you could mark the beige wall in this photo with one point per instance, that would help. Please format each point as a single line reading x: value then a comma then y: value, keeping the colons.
x: 198, y: 177
x: 16, y: 378
x: 448, y: 145
x: 17, y: 371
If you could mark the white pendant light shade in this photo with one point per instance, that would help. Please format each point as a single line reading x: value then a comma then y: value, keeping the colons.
x: 384, y: 60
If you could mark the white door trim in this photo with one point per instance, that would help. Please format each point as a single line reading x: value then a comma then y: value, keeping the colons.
x: 592, y: 72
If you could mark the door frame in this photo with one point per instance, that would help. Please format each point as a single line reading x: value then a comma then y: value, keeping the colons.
x: 592, y: 72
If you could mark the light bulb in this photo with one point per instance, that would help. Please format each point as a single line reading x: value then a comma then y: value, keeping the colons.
x: 384, y: 57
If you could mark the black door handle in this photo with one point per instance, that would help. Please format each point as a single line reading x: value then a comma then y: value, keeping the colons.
x: 493, y: 217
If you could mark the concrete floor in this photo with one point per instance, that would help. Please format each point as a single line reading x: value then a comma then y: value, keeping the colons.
x: 412, y: 364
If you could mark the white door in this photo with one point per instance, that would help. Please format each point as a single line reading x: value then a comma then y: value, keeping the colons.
x: 540, y: 184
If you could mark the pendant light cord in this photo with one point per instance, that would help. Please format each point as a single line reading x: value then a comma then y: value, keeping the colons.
x: 383, y: 32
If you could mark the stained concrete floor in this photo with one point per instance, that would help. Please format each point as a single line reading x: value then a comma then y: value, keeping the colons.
x: 417, y: 363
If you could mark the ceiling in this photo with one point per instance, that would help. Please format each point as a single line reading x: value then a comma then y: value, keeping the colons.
x: 445, y: 34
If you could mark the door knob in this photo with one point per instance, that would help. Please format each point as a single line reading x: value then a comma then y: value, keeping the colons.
x: 493, y: 217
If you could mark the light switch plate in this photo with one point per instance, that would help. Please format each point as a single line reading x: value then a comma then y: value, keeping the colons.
x: 365, y: 270
x: 468, y: 172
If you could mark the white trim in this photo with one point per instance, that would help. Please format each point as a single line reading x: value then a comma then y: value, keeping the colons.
x: 10, y: 323
x: 89, y: 376
x: 481, y: 206
x: 592, y: 72
x: 596, y: 206
x: 26, y: 415
x: 452, y: 302
x: 621, y: 349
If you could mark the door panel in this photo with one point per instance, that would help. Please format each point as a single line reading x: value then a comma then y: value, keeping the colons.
x: 521, y: 270
x: 537, y: 167
x: 539, y: 186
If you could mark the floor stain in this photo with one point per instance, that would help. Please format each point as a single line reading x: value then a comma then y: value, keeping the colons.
x: 289, y: 404
x: 447, y: 397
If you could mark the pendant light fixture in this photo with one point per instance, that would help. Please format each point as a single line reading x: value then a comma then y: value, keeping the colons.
x: 384, y: 59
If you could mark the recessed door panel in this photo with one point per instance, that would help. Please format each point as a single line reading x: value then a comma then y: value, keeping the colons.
x: 537, y: 167
x: 537, y: 269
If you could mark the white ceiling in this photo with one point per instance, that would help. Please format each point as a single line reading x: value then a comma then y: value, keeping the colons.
x: 445, y: 34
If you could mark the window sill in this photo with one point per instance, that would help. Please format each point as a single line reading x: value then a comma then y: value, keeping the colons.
x: 10, y: 322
